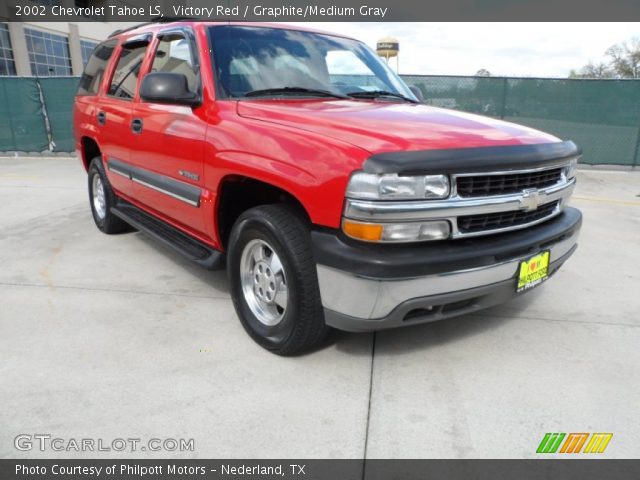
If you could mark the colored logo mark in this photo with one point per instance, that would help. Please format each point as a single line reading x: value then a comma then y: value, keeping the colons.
x: 574, y: 443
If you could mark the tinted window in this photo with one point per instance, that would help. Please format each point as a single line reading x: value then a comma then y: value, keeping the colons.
x: 94, y: 71
x: 86, y: 49
x: 174, y: 55
x: 125, y: 77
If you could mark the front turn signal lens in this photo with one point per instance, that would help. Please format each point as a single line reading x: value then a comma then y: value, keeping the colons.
x: 397, y: 232
x: 369, y: 232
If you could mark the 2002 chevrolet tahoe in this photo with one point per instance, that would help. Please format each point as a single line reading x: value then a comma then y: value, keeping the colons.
x: 334, y: 196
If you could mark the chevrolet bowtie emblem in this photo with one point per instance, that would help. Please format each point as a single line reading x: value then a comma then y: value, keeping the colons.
x: 530, y: 200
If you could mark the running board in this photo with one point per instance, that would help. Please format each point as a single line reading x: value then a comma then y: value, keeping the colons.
x: 191, y: 248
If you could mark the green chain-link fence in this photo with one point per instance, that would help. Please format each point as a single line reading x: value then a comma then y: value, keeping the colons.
x: 22, y: 125
x: 602, y: 116
x: 58, y: 96
x: 36, y: 114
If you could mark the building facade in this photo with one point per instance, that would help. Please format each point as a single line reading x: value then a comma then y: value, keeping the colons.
x: 41, y: 49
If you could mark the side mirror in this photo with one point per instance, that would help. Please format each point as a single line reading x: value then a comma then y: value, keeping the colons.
x: 165, y: 87
x: 417, y: 92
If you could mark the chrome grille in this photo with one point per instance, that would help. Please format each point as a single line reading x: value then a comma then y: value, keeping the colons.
x: 493, y: 221
x: 505, y: 183
x: 480, y: 204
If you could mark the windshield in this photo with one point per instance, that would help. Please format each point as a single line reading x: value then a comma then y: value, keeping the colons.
x: 251, y: 59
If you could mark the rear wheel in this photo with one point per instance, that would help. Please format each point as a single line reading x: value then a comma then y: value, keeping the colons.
x: 273, y: 279
x: 101, y: 199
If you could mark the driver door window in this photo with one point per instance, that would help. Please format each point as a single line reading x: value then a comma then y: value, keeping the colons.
x: 174, y: 55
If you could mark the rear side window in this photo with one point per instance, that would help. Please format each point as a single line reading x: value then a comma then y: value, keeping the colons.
x: 174, y: 55
x: 125, y: 78
x: 96, y: 66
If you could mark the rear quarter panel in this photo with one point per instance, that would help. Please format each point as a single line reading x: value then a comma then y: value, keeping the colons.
x: 84, y: 112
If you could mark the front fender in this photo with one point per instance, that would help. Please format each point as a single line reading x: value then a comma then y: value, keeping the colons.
x: 312, y: 168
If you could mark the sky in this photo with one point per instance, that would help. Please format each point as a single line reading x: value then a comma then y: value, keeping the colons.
x: 513, y: 49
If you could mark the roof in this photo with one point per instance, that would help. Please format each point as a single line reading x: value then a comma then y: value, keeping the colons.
x: 155, y: 23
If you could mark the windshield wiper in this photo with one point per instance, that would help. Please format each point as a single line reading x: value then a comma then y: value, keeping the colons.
x: 380, y: 93
x: 293, y: 91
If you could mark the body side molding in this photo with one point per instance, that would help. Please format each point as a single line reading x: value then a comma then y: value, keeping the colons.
x: 169, y: 186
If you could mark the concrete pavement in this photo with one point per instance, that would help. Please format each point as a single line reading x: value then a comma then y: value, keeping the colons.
x: 117, y: 337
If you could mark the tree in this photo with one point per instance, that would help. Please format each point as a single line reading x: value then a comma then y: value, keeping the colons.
x: 625, y: 58
x: 624, y: 62
x: 593, y: 70
x: 483, y: 72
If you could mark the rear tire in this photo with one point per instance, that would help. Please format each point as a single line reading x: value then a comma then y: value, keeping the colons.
x: 273, y: 280
x: 102, y: 198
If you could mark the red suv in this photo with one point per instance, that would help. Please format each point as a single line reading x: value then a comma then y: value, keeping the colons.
x: 335, y: 197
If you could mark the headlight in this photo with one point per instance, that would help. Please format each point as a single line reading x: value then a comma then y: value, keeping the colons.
x: 570, y: 169
x: 393, y: 187
x: 397, y: 232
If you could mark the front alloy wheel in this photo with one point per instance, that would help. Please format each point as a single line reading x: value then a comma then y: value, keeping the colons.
x: 273, y: 279
x: 264, y: 282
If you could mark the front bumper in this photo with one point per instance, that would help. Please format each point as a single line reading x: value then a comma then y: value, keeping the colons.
x: 368, y: 287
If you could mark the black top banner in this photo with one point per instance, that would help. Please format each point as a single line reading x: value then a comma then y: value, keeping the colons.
x: 321, y: 10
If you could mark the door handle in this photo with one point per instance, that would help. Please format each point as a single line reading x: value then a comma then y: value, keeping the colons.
x: 136, y: 125
x: 102, y: 118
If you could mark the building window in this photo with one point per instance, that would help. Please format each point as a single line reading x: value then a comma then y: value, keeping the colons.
x: 86, y: 47
x: 7, y: 66
x: 48, y: 53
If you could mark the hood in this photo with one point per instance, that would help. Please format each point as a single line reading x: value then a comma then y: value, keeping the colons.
x: 382, y: 126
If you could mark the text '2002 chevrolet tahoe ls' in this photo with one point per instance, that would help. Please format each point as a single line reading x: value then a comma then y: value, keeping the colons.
x: 334, y: 196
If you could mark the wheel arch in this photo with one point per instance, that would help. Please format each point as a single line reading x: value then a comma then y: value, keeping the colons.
x: 239, y: 193
x: 90, y: 150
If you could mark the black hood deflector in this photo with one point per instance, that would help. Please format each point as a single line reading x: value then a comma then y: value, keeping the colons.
x: 472, y: 160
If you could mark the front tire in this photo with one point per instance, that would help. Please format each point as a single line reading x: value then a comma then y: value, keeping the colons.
x: 102, y: 198
x: 274, y: 284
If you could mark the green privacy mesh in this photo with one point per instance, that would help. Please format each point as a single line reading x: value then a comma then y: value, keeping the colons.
x: 58, y: 96
x: 22, y: 125
x: 602, y: 116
